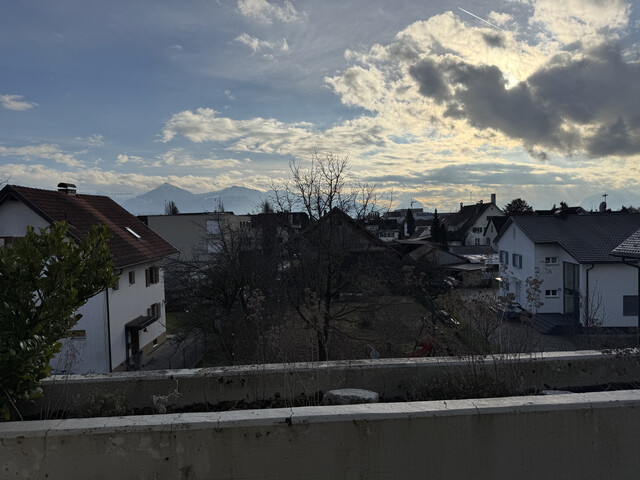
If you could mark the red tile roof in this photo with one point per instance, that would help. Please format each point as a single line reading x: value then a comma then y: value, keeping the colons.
x: 82, y: 211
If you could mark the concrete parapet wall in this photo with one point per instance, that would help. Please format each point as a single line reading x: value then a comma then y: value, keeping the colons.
x: 581, y: 436
x: 405, y: 379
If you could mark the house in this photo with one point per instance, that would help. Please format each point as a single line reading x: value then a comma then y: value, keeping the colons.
x: 196, y: 235
x: 119, y: 324
x: 571, y: 255
x: 494, y: 225
x: 467, y: 226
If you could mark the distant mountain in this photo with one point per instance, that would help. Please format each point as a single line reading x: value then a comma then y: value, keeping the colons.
x: 239, y: 200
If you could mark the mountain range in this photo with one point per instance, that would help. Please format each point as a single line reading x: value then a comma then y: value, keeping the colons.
x: 239, y: 200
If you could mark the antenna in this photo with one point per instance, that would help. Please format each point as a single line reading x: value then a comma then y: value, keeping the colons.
x: 603, y: 205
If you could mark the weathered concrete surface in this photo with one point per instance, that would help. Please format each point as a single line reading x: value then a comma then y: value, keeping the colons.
x: 390, y: 378
x: 576, y: 436
x: 349, y: 396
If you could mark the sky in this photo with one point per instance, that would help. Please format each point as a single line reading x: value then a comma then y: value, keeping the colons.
x: 434, y: 101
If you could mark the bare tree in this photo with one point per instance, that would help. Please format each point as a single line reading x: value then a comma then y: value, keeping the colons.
x: 332, y: 257
x: 170, y: 208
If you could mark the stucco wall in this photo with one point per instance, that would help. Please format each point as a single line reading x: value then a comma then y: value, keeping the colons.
x: 585, y: 436
x: 127, y: 303
x: 88, y: 353
x: 14, y: 218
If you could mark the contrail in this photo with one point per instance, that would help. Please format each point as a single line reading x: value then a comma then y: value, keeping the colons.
x: 481, y: 19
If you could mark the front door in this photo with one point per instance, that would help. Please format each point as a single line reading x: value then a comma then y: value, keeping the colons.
x: 571, y: 289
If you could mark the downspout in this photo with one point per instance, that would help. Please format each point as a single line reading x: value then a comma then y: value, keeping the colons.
x: 638, y: 296
x: 586, y: 300
x: 109, y: 329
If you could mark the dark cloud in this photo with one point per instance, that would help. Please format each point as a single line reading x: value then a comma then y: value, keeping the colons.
x: 493, y: 40
x: 430, y: 80
x: 598, y: 90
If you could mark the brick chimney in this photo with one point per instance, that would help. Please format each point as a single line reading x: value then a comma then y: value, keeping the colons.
x: 493, y: 198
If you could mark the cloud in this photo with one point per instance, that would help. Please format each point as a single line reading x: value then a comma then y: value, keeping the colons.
x: 43, y: 151
x: 266, y: 12
x: 256, y: 134
x: 254, y: 43
x: 359, y: 86
x: 16, y: 103
x: 94, y: 140
x: 586, y: 21
x: 179, y: 158
x: 123, y: 158
x: 480, y: 87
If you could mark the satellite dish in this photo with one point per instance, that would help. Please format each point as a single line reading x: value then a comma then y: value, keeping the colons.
x: 603, y: 206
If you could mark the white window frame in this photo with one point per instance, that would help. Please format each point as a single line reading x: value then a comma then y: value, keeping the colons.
x: 551, y: 260
x: 504, y: 257
x: 552, y: 293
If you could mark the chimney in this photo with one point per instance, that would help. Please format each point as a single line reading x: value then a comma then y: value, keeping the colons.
x: 493, y: 198
x: 68, y: 188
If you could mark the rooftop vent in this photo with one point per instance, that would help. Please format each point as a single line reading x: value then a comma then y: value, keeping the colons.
x: 68, y: 188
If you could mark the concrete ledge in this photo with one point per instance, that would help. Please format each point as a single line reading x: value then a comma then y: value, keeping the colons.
x: 390, y: 378
x: 586, y: 436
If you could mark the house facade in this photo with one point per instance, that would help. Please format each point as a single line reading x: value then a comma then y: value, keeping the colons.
x: 571, y: 256
x: 467, y: 227
x: 119, y: 324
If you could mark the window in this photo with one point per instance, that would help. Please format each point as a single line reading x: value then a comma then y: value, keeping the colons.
x: 629, y: 305
x: 487, y: 241
x: 504, y: 257
x: 132, y: 277
x: 116, y: 286
x: 154, y: 310
x: 551, y: 293
x: 551, y: 260
x: 7, y: 241
x: 477, y: 229
x: 477, y: 241
x: 517, y: 260
x: 152, y: 275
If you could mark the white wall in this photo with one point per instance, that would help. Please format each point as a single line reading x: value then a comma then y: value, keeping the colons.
x: 129, y: 302
x: 88, y: 353
x: 608, y: 284
x: 14, y: 218
x: 491, y: 211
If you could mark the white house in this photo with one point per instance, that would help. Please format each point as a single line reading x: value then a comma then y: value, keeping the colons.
x: 119, y: 324
x: 571, y: 255
x: 467, y: 227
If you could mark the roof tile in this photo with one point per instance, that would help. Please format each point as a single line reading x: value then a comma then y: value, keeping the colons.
x: 82, y: 211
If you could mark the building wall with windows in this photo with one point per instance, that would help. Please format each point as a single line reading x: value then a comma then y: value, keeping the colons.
x: 475, y: 233
x: 609, y: 290
x: 130, y: 301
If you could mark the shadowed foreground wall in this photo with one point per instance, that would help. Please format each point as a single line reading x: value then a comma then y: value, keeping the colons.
x: 574, y: 436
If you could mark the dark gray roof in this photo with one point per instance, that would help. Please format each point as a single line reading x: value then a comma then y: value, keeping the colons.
x: 588, y: 238
x: 472, y: 250
x: 630, y: 248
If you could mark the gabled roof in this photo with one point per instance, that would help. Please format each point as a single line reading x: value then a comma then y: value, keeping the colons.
x: 498, y: 223
x: 336, y: 214
x: 467, y: 215
x: 131, y: 242
x: 587, y: 238
x: 630, y: 248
